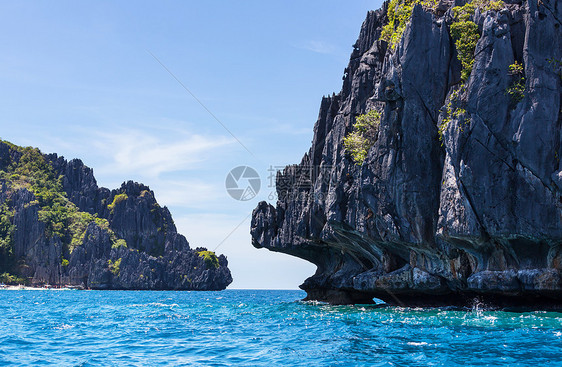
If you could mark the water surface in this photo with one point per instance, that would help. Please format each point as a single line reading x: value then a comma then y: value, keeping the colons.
x: 260, y: 328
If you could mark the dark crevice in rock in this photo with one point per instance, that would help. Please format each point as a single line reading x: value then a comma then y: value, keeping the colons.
x: 494, y: 154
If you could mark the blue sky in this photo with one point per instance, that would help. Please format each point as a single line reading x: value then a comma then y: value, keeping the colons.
x: 78, y: 78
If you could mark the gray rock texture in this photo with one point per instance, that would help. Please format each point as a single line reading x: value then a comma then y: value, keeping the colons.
x: 424, y: 220
x: 155, y: 255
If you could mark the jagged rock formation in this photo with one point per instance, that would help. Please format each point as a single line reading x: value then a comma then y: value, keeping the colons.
x: 423, y: 220
x: 59, y: 228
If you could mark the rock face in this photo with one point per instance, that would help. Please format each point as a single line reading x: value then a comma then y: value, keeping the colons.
x: 426, y: 220
x: 128, y: 240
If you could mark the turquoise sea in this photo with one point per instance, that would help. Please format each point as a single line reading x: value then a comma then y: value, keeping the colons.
x: 260, y: 328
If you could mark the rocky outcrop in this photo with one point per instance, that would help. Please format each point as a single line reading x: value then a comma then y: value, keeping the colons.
x: 128, y: 240
x: 428, y: 220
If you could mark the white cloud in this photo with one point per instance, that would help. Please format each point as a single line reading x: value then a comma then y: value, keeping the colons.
x: 176, y: 164
x: 320, y: 47
x: 133, y: 152
x: 187, y: 193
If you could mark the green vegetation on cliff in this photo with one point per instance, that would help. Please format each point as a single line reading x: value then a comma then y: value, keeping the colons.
x: 114, y: 266
x: 7, y: 278
x: 27, y: 168
x: 454, y: 110
x: 7, y: 229
x: 116, y: 200
x: 464, y: 31
x: 210, y: 258
x: 364, y: 134
x: 398, y: 14
x: 517, y: 88
x: 465, y: 34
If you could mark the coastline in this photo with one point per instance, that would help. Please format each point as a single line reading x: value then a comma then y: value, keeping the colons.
x: 29, y: 288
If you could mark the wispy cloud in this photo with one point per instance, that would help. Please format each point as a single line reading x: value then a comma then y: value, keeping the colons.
x: 189, y: 193
x: 320, y: 47
x: 290, y: 129
x: 184, y: 169
x: 132, y: 151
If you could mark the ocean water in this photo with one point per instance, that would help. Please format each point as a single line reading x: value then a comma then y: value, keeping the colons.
x: 260, y: 328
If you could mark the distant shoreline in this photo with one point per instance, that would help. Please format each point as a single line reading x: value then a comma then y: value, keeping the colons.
x: 29, y: 288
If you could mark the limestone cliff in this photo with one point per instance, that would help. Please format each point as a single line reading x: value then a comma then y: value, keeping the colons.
x: 58, y: 227
x: 460, y: 194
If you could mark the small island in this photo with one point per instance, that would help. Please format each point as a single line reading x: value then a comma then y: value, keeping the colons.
x: 58, y: 228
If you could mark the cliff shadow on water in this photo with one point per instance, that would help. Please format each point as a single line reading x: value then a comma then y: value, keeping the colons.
x: 452, y: 190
